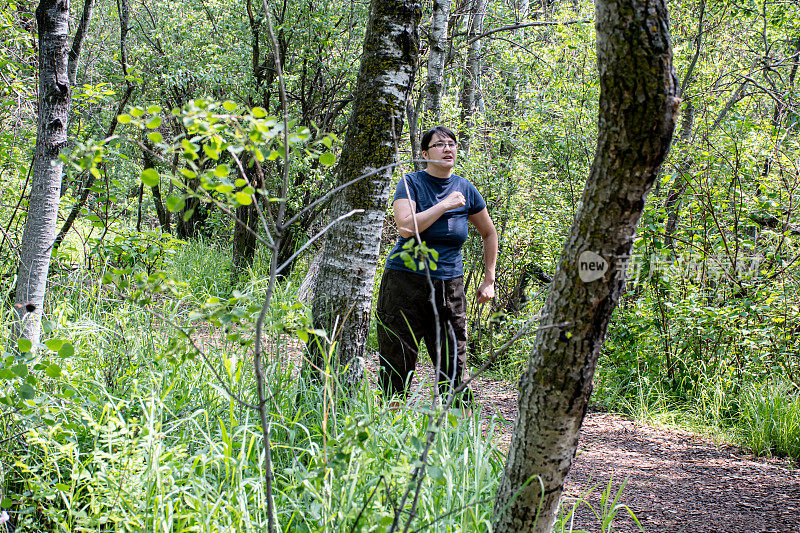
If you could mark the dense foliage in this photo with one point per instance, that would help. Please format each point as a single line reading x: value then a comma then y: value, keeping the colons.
x: 120, y: 421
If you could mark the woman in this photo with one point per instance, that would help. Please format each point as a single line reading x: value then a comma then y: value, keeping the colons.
x: 437, y: 204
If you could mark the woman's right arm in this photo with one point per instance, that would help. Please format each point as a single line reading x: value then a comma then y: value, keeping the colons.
x: 404, y: 213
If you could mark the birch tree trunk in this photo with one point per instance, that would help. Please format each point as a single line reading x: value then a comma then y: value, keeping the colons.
x: 472, y: 74
x: 343, y: 292
x: 52, y: 18
x: 436, y: 60
x: 638, y: 102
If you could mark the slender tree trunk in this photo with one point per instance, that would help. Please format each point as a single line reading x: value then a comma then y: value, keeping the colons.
x: 77, y: 41
x: 122, y: 8
x: 470, y: 86
x: 52, y: 18
x: 343, y: 292
x: 437, y: 57
x: 149, y: 161
x: 638, y: 102
x: 244, y: 241
x: 672, y: 205
x: 674, y: 199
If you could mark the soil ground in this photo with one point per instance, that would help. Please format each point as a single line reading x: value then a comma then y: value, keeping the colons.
x: 675, y: 481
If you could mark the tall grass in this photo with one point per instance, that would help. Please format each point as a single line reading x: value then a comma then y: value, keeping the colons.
x: 204, y: 267
x: 770, y: 416
x: 137, y: 435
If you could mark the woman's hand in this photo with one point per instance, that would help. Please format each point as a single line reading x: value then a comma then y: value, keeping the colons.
x: 453, y: 201
x: 485, y: 292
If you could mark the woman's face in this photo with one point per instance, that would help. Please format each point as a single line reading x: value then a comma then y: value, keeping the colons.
x: 442, y: 150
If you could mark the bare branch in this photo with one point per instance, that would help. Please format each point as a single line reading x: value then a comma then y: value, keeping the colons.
x: 528, y: 25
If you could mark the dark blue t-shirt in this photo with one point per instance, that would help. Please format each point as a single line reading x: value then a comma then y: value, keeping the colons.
x: 449, y: 232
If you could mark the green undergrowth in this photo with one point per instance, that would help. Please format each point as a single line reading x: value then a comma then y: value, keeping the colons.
x: 755, y: 406
x: 123, y: 425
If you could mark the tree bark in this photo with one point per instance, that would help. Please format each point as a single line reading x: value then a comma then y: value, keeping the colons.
x: 343, y: 292
x: 77, y: 41
x: 52, y: 18
x: 470, y: 86
x: 149, y: 161
x: 436, y: 60
x: 638, y: 102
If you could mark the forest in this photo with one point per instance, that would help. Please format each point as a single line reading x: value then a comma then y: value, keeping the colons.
x: 197, y: 211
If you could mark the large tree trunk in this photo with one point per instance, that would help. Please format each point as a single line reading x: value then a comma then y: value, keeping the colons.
x: 343, y: 292
x: 52, y: 18
x: 436, y: 60
x: 638, y: 101
x: 470, y: 86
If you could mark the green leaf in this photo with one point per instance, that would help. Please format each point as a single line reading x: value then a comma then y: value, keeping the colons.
x: 6, y: 503
x: 175, y: 203
x: 61, y: 486
x: 243, y: 198
x: 327, y: 159
x: 137, y: 111
x: 54, y: 344
x: 435, y: 472
x: 6, y: 374
x: 259, y: 112
x: 229, y: 106
x: 153, y: 109
x: 188, y: 214
x: 155, y: 137
x: 20, y: 370
x: 53, y: 371
x: 225, y: 188
x: 150, y: 177
x: 240, y: 182
x: 123, y: 119
x: 211, y: 152
x: 153, y: 123
x: 24, y: 345
x: 221, y: 171
x: 68, y: 350
x: 26, y: 391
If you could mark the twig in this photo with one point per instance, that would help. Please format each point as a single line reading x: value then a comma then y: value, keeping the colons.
x: 253, y: 196
x: 317, y: 236
x: 528, y: 25
x: 366, y: 502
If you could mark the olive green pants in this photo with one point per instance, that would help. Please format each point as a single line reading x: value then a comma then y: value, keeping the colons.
x: 406, y: 319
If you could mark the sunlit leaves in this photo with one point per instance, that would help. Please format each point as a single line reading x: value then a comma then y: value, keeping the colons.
x: 327, y: 159
x: 150, y: 177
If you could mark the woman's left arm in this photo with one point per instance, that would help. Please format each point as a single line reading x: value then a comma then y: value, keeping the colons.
x: 483, y: 223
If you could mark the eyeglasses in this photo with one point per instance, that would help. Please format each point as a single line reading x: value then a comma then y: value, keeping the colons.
x: 441, y: 145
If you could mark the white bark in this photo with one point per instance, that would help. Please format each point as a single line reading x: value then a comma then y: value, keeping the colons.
x: 437, y: 58
x: 470, y: 86
x: 52, y: 17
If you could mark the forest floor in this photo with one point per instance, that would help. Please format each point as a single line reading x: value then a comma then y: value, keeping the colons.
x: 675, y: 481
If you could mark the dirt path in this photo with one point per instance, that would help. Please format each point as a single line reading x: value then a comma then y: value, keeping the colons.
x: 676, y: 481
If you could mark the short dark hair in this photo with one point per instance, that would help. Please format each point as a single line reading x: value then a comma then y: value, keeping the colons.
x: 428, y: 135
